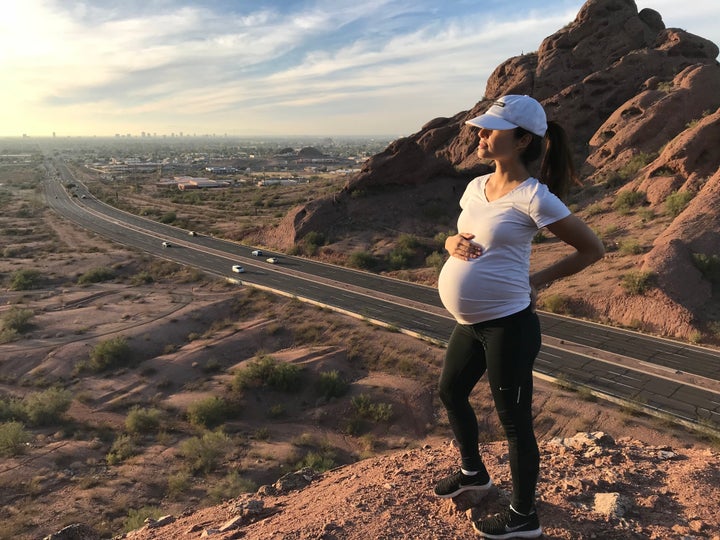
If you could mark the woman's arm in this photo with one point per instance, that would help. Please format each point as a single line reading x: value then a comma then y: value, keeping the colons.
x: 588, y: 249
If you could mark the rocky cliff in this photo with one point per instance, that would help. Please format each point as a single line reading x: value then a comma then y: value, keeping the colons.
x: 640, y: 103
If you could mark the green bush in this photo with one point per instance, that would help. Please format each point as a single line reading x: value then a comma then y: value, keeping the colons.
x: 637, y: 282
x: 122, y: 448
x: 677, y: 201
x: 362, y: 260
x: 627, y: 200
x: 229, y: 487
x: 634, y: 164
x: 435, y: 260
x: 47, y: 407
x: 208, y: 412
x: 555, y: 303
x: 364, y: 407
x: 318, y: 461
x: 141, y: 420
x: 136, y: 518
x: 709, y: 266
x: 112, y: 353
x: 203, y: 453
x: 23, y: 280
x: 13, y: 439
x: 168, y: 217
x: 266, y: 371
x: 96, y: 275
x: 630, y: 247
x: 330, y: 384
x: 17, y: 320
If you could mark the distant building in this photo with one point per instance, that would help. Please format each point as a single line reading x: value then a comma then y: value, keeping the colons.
x: 184, y: 183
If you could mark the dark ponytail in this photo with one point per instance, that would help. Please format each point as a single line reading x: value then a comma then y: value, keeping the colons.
x: 556, y: 169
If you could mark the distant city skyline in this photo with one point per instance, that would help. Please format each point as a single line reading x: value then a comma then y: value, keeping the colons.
x: 269, y: 68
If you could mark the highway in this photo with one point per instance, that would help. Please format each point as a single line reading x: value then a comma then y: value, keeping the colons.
x: 658, y: 375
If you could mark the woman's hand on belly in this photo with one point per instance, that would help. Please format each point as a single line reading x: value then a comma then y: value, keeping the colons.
x: 460, y: 246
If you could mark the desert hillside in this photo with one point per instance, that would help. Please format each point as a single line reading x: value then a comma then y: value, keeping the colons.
x: 641, y: 104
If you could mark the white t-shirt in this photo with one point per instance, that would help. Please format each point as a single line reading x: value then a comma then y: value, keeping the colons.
x: 496, y: 284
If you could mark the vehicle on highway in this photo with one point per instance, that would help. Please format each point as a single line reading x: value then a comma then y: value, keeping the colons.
x: 272, y: 260
x: 167, y: 244
x: 238, y: 269
x: 256, y: 253
x: 192, y: 233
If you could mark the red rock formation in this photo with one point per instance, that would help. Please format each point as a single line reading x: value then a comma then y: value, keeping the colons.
x: 622, y: 84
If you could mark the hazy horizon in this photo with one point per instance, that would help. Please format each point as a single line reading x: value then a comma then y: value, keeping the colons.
x: 301, y: 68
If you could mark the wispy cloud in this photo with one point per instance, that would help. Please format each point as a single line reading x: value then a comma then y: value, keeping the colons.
x: 380, y: 66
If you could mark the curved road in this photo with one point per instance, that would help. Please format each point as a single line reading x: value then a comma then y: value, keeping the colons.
x: 658, y: 375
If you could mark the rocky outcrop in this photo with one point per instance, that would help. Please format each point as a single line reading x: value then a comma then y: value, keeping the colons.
x: 592, y: 486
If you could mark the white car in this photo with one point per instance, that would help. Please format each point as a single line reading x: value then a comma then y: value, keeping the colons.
x: 272, y: 260
x: 192, y: 233
x: 167, y: 244
x: 256, y: 253
x: 238, y: 269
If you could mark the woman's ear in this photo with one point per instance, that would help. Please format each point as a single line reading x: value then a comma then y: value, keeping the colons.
x: 524, y: 141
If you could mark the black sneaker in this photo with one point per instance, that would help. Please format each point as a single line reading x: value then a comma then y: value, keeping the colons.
x: 509, y: 524
x: 457, y: 483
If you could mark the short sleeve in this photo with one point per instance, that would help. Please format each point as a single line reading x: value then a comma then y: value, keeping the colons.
x: 546, y: 208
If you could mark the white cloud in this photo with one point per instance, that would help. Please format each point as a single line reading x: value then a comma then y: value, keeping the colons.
x: 90, y: 67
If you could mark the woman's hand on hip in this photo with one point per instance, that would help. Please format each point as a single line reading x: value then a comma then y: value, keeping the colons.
x: 460, y: 246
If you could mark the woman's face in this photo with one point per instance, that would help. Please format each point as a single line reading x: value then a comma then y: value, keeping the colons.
x: 499, y: 144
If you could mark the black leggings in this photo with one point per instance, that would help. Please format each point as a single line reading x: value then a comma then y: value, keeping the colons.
x: 506, y: 348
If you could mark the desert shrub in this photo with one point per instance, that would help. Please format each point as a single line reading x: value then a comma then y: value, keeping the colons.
x: 312, y: 241
x: 136, y: 518
x: 364, y: 407
x: 96, y: 275
x: 229, y: 487
x: 634, y: 164
x: 122, y: 448
x: 142, y: 420
x: 362, y: 260
x: 435, y: 260
x: 319, y: 461
x: 595, y: 209
x: 112, y: 353
x: 677, y: 201
x: 330, y: 384
x: 630, y: 247
x: 627, y: 200
x: 555, y: 303
x: 13, y: 439
x: 11, y: 409
x: 47, y: 407
x: 646, y: 214
x: 709, y: 266
x: 23, y: 280
x: 168, y: 217
x: 266, y: 371
x: 177, y: 484
x: 142, y: 278
x: 17, y: 319
x: 307, y: 332
x: 539, y: 237
x: 208, y: 412
x: 202, y: 453
x: 637, y: 282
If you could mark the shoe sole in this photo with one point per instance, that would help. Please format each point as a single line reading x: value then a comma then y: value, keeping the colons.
x: 463, y: 489
x: 535, y: 533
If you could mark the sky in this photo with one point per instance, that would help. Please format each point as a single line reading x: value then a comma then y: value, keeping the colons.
x: 268, y: 68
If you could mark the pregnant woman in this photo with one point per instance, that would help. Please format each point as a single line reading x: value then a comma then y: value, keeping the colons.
x: 487, y: 286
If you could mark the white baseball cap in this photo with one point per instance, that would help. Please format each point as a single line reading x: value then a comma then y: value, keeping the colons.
x: 513, y: 111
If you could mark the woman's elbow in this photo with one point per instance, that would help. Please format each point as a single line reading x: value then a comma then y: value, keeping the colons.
x: 596, y: 251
